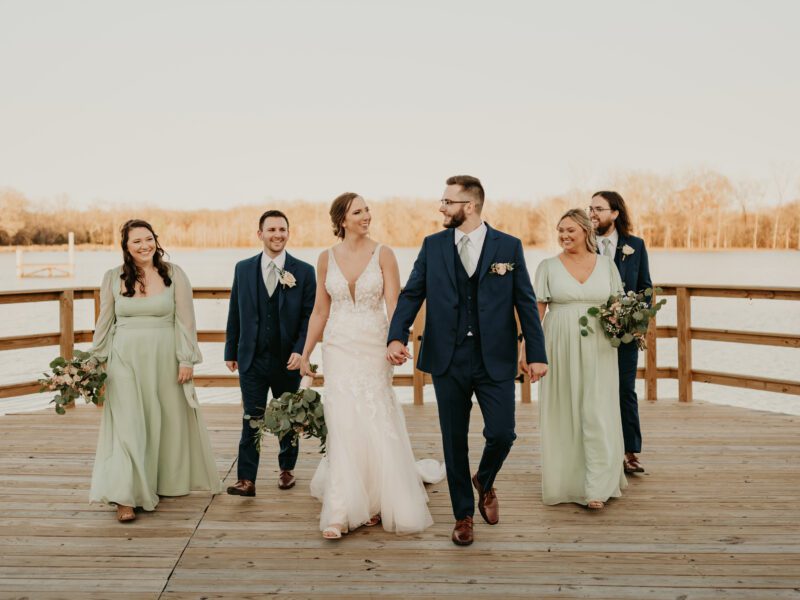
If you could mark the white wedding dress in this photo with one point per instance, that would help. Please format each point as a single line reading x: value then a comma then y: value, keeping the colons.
x: 369, y: 468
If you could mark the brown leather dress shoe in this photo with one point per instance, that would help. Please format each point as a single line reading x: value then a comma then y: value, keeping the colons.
x: 286, y: 480
x: 488, y: 504
x: 462, y: 532
x: 630, y: 464
x: 243, y: 487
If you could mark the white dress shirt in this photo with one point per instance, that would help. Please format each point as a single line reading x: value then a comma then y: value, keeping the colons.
x: 613, y: 237
x: 266, y: 263
x: 476, y: 238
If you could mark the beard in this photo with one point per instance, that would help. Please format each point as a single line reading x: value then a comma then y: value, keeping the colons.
x: 456, y: 220
x: 603, y: 229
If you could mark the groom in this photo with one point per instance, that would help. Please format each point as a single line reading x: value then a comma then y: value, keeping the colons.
x: 473, y: 277
x: 271, y: 301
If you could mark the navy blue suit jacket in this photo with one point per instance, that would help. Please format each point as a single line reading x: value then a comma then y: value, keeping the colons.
x: 294, y: 307
x: 434, y: 279
x: 634, y: 268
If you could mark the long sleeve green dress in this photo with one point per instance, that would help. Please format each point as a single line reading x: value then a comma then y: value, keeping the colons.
x: 153, y: 440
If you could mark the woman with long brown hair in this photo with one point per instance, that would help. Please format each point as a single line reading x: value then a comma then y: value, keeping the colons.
x: 153, y: 441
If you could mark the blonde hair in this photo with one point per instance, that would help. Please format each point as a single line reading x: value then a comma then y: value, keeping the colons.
x: 584, y: 222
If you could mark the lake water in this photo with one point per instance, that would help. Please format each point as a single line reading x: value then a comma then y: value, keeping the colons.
x: 215, y: 268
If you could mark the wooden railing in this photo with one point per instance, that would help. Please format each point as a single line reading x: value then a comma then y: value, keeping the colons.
x: 67, y: 337
x: 685, y: 333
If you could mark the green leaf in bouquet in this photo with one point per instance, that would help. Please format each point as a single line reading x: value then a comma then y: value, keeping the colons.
x: 300, y: 416
x: 58, y: 362
x: 309, y: 395
x: 270, y: 422
x: 638, y: 315
x: 584, y: 332
x: 615, y: 342
x: 627, y: 338
x: 318, y: 410
x: 285, y: 425
x: 60, y: 409
x: 589, y: 329
x: 593, y: 311
x: 583, y: 321
x: 254, y: 423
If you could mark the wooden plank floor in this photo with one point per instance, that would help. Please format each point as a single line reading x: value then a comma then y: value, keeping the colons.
x: 717, y: 516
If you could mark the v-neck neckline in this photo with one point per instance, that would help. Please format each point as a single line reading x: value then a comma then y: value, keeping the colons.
x: 351, y: 287
x: 575, y: 279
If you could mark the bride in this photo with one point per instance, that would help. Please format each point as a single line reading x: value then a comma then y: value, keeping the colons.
x: 369, y: 475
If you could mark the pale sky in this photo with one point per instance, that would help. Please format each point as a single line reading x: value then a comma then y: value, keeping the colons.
x: 195, y: 104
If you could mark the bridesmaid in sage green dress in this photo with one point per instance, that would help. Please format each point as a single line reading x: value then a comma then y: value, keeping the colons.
x: 579, y: 414
x: 153, y: 440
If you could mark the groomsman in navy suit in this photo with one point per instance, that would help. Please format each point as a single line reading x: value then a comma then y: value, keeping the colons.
x: 271, y: 301
x: 612, y: 225
x: 473, y: 278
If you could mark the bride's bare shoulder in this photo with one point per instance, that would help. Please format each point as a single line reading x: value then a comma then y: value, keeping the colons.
x: 387, y: 256
x: 322, y: 261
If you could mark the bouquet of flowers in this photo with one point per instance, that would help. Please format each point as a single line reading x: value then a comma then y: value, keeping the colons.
x: 624, y: 317
x: 294, y: 413
x: 80, y: 375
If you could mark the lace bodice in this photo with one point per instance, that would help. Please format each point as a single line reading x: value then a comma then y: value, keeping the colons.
x: 368, y: 288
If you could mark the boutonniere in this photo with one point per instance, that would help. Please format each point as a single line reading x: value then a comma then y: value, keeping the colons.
x: 501, y: 268
x: 287, y: 279
x: 626, y: 251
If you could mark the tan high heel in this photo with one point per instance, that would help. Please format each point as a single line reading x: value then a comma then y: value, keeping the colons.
x: 125, y: 513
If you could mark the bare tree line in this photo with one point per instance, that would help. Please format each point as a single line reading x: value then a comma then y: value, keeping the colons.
x: 700, y: 210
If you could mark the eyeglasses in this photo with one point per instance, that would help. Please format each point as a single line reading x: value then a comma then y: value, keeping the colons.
x: 446, y: 202
x: 596, y: 209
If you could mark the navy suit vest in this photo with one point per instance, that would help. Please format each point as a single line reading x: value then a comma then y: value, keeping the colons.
x: 269, y: 332
x: 467, y: 299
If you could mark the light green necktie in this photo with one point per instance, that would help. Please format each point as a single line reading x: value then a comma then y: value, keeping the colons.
x: 606, y: 247
x: 272, y: 278
x: 463, y: 254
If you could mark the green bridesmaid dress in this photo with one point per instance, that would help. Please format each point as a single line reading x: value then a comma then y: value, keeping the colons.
x: 579, y: 415
x: 153, y: 440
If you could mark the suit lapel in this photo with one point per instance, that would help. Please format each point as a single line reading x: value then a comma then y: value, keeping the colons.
x: 254, y: 277
x: 489, y: 250
x: 621, y: 266
x: 289, y: 267
x: 449, y: 254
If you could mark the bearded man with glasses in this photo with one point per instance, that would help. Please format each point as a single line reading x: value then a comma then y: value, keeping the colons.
x: 612, y: 225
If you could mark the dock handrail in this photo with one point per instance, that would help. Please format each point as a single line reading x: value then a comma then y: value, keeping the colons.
x: 67, y: 337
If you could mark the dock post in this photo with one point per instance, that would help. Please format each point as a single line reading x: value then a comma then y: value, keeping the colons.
x: 684, y: 345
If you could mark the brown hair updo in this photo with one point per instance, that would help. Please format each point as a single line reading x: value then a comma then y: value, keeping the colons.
x: 338, y: 212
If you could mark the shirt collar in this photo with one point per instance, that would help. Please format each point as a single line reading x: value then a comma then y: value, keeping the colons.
x: 613, y: 237
x: 280, y: 260
x: 476, y: 236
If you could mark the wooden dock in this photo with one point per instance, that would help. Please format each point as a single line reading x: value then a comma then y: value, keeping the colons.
x: 716, y: 516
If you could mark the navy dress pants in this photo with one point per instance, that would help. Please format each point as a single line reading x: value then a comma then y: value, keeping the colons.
x: 454, y: 389
x: 266, y: 373
x: 628, y: 356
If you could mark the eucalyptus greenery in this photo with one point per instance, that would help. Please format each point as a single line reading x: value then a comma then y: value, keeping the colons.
x: 294, y: 413
x: 79, y: 376
x: 624, y: 318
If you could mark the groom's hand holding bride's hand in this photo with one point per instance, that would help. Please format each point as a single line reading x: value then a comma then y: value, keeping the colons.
x: 397, y: 353
x: 536, y: 371
x: 305, y: 367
